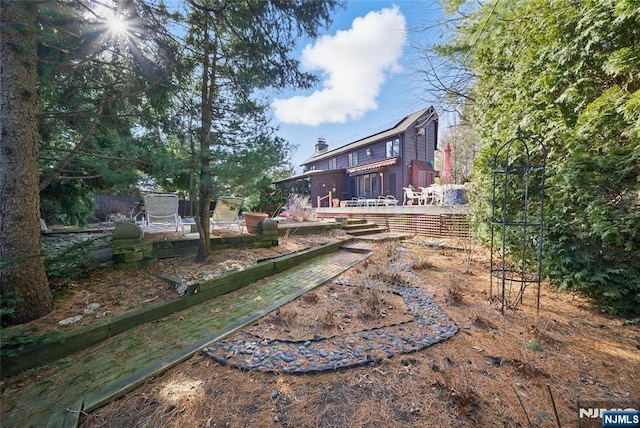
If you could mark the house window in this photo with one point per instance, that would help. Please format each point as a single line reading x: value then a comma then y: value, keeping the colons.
x: 393, y: 148
x: 367, y: 185
x: 333, y: 163
x: 353, y: 158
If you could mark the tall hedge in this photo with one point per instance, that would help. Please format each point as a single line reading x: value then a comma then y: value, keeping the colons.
x: 569, y: 73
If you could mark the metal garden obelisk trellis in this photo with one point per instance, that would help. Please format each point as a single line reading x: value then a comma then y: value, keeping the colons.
x: 517, y: 218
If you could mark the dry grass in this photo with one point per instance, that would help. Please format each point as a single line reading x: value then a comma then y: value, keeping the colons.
x: 495, y: 372
x: 300, y: 208
x: 421, y: 260
x: 283, y: 317
x: 375, y: 302
x: 455, y: 288
x: 384, y: 266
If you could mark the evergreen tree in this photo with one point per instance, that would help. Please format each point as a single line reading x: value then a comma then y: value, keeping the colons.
x: 24, y: 286
x: 568, y: 72
x: 237, y: 48
x: 104, y: 97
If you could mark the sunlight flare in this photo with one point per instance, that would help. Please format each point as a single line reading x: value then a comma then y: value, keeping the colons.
x: 117, y: 25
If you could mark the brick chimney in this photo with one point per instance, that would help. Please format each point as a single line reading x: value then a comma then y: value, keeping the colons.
x: 321, y: 146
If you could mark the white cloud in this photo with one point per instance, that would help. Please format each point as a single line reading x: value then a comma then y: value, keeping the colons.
x: 355, y: 64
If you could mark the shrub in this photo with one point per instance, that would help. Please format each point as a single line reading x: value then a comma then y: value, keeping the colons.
x: 593, y: 242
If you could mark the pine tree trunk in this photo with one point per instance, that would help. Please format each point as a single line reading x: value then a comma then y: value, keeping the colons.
x: 22, y: 272
x: 205, y: 184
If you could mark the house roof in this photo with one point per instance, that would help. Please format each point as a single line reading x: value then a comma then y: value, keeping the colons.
x: 308, y: 174
x: 397, y: 129
x: 424, y: 166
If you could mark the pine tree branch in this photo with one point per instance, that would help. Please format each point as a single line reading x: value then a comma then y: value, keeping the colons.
x: 48, y: 178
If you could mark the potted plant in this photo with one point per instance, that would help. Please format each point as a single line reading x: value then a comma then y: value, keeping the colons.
x: 270, y: 203
x: 252, y: 219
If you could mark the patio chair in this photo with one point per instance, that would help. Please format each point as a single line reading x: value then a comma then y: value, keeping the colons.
x: 429, y: 195
x: 410, y: 196
x: 161, y: 212
x: 391, y: 201
x: 437, y: 194
x: 226, y: 212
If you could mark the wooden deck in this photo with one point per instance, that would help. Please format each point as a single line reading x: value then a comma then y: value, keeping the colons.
x: 432, y: 221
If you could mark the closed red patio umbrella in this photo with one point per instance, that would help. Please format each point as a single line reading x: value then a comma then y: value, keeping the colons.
x: 446, y: 175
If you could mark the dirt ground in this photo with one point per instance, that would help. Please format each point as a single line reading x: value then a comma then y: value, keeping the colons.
x: 511, y: 370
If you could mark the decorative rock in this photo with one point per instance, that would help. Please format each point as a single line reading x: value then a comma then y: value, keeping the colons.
x: 182, y: 288
x: 91, y: 308
x: 429, y: 326
x: 287, y: 357
x: 126, y: 230
x: 70, y: 321
x: 103, y: 255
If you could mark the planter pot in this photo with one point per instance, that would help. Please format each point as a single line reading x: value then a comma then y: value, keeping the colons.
x: 253, y: 219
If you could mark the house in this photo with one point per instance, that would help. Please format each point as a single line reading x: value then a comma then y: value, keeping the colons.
x: 377, y: 165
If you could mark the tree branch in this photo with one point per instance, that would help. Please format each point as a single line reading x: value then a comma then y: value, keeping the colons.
x: 53, y: 173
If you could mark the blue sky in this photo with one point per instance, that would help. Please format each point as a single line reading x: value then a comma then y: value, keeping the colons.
x: 366, y: 62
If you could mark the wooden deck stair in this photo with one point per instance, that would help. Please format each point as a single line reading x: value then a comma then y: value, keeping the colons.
x: 360, y: 227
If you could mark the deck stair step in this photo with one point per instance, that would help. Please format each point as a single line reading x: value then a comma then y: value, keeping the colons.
x: 357, y: 247
x: 371, y: 240
x: 352, y: 221
x: 367, y: 231
x: 358, y: 226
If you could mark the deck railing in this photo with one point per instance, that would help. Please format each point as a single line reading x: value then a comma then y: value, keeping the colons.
x: 329, y: 198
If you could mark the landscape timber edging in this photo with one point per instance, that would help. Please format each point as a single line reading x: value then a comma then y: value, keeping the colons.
x: 130, y: 250
x: 292, y: 229
x: 60, y: 345
x: 130, y: 253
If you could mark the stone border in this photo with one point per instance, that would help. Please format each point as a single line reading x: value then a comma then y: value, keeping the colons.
x: 430, y: 325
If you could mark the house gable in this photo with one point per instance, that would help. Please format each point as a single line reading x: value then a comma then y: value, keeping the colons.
x: 420, y: 118
x: 380, y: 164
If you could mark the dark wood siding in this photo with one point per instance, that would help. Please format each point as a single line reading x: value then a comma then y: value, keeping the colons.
x: 414, y: 146
x: 332, y: 181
